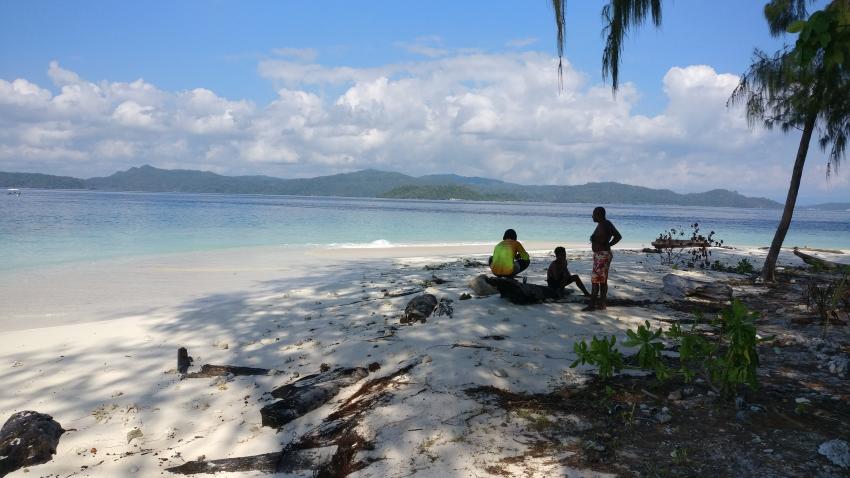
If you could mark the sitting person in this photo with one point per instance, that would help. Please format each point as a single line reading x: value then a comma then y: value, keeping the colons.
x: 558, y: 276
x: 509, y: 257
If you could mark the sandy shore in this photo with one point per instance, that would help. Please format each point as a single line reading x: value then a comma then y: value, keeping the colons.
x: 94, y: 345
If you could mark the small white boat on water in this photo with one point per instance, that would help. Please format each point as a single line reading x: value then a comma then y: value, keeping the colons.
x: 13, y: 192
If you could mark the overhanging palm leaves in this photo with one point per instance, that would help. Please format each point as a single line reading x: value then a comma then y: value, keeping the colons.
x: 619, y: 16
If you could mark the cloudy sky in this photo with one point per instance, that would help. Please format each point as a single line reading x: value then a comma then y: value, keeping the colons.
x: 295, y: 89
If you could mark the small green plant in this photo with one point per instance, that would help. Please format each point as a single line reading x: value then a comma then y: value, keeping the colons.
x: 724, y: 363
x: 826, y: 299
x: 744, y: 266
x: 600, y: 353
x: 650, y: 346
x: 740, y: 360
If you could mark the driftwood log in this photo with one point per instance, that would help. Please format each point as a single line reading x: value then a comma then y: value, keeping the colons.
x: 681, y: 287
x: 208, y: 371
x: 307, y: 394
x: 678, y: 243
x: 480, y: 286
x: 328, y: 450
x: 822, y: 263
x: 28, y: 438
x: 519, y: 293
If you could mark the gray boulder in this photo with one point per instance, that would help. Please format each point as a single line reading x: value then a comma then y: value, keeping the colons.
x: 481, y: 287
x: 836, y: 451
x: 680, y: 287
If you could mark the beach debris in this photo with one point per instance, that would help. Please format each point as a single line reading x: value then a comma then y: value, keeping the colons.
x: 183, y: 360
x: 324, y: 367
x: 208, y: 371
x: 307, y: 394
x: 663, y: 416
x: 402, y: 292
x: 436, y: 267
x: 838, y: 366
x: 473, y: 263
x: 444, y: 307
x: 480, y: 286
x: 465, y: 296
x: 419, y: 308
x: 520, y: 293
x: 820, y: 262
x: 17, y: 363
x: 500, y: 372
x: 438, y: 280
x: 328, y: 449
x: 836, y: 451
x: 681, y: 287
x: 28, y: 438
x: 374, y: 367
x: 134, y: 433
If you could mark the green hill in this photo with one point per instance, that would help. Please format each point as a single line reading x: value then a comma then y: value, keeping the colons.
x: 373, y: 183
x: 445, y: 191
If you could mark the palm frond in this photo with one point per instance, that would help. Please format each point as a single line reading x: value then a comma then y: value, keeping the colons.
x: 620, y: 16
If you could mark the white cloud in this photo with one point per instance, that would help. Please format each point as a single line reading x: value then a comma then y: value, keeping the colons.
x: 303, y: 54
x: 493, y: 115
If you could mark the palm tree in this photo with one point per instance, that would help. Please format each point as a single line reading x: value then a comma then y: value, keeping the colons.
x: 802, y: 88
x: 620, y: 16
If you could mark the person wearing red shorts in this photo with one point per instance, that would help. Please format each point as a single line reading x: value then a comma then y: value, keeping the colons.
x: 605, y: 236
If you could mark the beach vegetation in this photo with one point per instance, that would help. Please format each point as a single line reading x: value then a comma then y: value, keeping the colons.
x: 724, y: 354
x: 827, y: 299
x: 601, y: 353
x: 744, y: 267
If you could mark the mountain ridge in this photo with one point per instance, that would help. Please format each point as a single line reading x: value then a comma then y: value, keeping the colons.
x: 375, y: 183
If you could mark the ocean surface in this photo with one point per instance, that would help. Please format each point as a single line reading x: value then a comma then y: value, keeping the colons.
x: 43, y: 228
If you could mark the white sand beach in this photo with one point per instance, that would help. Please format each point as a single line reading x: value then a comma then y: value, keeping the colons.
x: 94, y: 345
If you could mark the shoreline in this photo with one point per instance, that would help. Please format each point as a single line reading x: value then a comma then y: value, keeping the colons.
x: 77, y: 293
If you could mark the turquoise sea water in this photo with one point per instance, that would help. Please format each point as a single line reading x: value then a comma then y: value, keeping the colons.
x: 42, y: 228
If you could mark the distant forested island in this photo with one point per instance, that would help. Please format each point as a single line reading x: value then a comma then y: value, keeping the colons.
x: 372, y: 183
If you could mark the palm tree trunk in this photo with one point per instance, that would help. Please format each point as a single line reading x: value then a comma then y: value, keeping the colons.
x: 768, y: 271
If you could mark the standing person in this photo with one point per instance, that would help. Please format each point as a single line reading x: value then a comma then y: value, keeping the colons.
x: 558, y: 276
x: 509, y: 257
x: 605, y: 236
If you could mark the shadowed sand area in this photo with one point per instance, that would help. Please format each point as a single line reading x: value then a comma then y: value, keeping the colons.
x: 94, y: 345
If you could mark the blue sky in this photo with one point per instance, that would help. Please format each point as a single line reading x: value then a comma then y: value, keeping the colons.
x: 343, y: 71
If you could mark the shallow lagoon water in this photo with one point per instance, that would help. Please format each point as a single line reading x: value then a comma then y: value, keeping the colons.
x: 41, y: 228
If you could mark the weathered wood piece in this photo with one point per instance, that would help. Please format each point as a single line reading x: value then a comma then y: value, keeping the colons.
x: 681, y: 287
x: 419, y: 308
x: 519, y: 293
x: 28, y: 438
x: 307, y: 394
x: 286, y: 461
x: 328, y: 450
x: 678, y: 243
x: 208, y: 371
x: 819, y: 262
x: 183, y: 360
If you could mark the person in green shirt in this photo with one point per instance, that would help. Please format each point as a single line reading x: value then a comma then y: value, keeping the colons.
x: 509, y: 257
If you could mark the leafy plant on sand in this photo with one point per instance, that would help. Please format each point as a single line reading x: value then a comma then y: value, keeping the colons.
x: 601, y: 353
x: 696, y: 254
x: 744, y: 266
x: 726, y: 359
x: 827, y: 299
